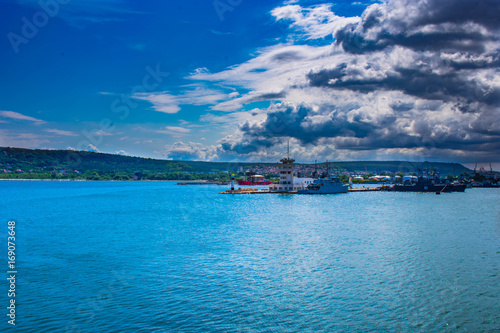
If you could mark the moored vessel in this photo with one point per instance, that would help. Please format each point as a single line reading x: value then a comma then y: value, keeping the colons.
x: 326, y: 185
x: 426, y: 184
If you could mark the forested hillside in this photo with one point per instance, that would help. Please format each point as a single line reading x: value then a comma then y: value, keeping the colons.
x: 66, y: 164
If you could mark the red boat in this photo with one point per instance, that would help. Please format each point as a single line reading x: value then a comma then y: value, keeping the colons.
x: 253, y: 179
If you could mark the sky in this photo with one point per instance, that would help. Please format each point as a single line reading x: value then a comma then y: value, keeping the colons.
x: 235, y: 80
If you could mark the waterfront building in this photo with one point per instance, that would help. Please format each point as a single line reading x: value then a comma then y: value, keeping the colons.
x: 287, y: 182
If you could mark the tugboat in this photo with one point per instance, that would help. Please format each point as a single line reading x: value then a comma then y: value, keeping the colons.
x: 325, y: 185
x: 253, y: 179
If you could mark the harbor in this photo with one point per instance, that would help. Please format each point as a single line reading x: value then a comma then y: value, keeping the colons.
x: 326, y: 183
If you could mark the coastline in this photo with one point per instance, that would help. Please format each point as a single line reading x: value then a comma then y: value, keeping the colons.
x: 90, y: 180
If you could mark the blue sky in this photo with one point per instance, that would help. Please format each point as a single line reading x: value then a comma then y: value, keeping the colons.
x: 235, y: 80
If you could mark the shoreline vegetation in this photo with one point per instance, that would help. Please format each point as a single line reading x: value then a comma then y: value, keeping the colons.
x: 98, y: 180
x: 46, y: 165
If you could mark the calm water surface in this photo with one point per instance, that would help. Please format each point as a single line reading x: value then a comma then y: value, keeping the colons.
x: 156, y: 257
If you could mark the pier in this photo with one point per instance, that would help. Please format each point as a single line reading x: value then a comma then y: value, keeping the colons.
x: 364, y: 189
x: 257, y: 191
x: 246, y: 191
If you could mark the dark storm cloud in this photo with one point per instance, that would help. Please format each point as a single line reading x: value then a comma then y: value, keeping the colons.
x: 357, y: 133
x: 357, y: 42
x: 484, y: 12
x: 290, y: 121
x: 452, y: 86
x: 453, y: 33
x: 248, y: 145
x: 296, y: 122
x: 439, y: 25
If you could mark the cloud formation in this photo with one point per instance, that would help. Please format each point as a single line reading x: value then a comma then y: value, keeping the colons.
x: 175, y: 131
x: 189, y: 151
x: 121, y: 152
x: 19, y: 116
x: 60, y: 132
x: 169, y: 103
x: 92, y: 148
x: 407, y: 79
x: 316, y: 21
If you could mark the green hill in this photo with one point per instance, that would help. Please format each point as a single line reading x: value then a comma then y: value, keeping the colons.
x: 65, y: 164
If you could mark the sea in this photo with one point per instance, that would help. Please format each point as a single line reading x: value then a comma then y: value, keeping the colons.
x: 146, y: 256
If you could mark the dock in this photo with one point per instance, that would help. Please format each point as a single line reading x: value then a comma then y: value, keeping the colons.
x: 364, y: 189
x: 246, y: 191
x: 257, y: 191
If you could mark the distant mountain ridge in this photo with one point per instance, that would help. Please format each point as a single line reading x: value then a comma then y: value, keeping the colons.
x: 41, y: 160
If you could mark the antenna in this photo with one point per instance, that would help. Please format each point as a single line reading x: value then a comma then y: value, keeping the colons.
x: 288, y: 149
x: 491, y: 169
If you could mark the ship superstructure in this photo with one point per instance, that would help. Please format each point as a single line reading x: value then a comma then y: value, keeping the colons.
x: 325, y: 185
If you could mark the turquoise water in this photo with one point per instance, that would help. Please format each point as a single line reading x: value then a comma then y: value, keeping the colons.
x: 157, y: 257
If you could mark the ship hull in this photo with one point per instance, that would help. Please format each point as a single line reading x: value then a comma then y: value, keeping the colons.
x: 428, y: 188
